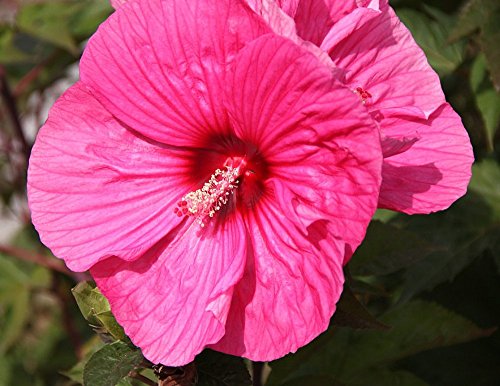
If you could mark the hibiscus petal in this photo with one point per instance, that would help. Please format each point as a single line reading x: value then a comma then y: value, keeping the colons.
x: 324, y: 157
x: 432, y: 173
x: 314, y: 18
x: 117, y: 3
x: 278, y: 93
x: 392, y: 146
x: 174, y: 300
x: 158, y: 66
x: 380, y: 56
x: 95, y: 189
x: 283, y: 25
x: 292, y: 281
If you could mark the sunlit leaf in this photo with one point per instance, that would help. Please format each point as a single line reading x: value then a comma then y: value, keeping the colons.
x: 108, y: 321
x: 96, y: 310
x: 90, y: 301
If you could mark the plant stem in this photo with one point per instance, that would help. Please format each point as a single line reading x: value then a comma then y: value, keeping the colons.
x: 141, y: 378
x: 257, y: 368
x: 34, y: 257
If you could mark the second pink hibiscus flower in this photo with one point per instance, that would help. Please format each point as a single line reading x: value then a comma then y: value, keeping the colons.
x: 427, y: 152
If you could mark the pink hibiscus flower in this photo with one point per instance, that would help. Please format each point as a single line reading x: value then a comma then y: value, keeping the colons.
x: 427, y: 152
x: 211, y: 175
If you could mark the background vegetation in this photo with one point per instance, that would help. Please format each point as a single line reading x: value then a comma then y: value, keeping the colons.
x: 422, y: 302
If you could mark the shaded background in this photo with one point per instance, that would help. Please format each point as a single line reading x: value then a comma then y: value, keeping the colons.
x: 423, y: 301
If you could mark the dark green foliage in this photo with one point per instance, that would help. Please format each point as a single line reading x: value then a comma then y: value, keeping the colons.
x: 216, y: 369
x: 111, y: 364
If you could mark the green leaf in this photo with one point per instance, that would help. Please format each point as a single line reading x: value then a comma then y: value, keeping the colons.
x: 321, y: 357
x: 126, y: 382
x: 471, y: 17
x: 345, y: 355
x: 89, y: 15
x: 48, y: 21
x: 96, y: 310
x: 416, y: 326
x: 17, y: 280
x: 351, y: 313
x: 482, y: 15
x: 489, y: 40
x: 11, y: 273
x: 384, y: 215
x: 111, y: 364
x: 75, y: 374
x: 486, y: 182
x: 217, y: 369
x: 18, y: 313
x: 431, y: 34
x: 9, y: 53
x: 462, y: 233
x: 90, y: 301
x: 487, y: 99
x: 108, y: 321
x: 5, y: 371
x: 387, y: 249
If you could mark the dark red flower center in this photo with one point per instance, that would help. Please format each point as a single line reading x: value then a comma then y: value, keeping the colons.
x: 230, y: 174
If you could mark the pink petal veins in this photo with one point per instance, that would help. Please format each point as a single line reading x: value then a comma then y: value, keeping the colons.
x: 432, y: 173
x: 279, y: 95
x: 380, y: 55
x: 291, y: 283
x: 174, y: 300
x: 321, y: 193
x: 283, y: 25
x: 158, y: 66
x: 295, y: 111
x: 390, y: 74
x: 95, y: 189
x: 392, y: 146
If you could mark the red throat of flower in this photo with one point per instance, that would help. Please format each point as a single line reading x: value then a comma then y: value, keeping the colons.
x: 203, y: 203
